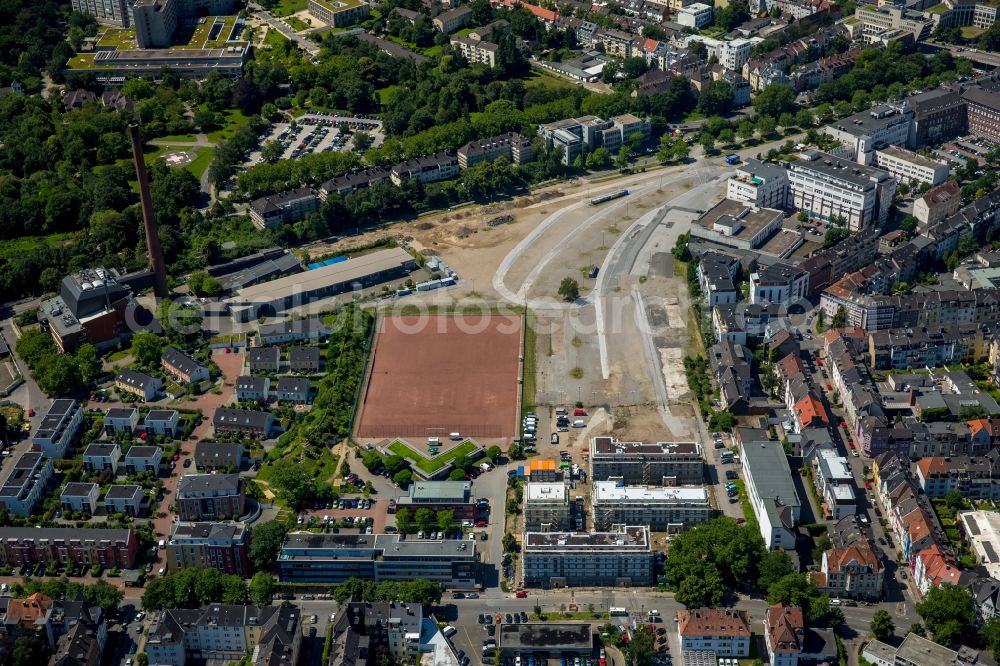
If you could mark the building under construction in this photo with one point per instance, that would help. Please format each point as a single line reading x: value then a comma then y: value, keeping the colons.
x: 640, y: 463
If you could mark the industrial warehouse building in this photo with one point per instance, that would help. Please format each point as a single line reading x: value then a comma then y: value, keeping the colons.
x: 271, y: 298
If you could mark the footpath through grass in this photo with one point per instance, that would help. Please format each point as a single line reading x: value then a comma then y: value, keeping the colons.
x: 431, y: 465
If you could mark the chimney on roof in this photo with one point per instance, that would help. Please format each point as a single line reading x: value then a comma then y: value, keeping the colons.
x: 156, y: 264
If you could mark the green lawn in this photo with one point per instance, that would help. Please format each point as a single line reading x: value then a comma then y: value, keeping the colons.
x: 971, y: 32
x: 297, y: 24
x: 178, y: 137
x: 385, y: 94
x: 21, y: 246
x: 273, y: 38
x: 197, y: 167
x: 431, y: 465
x: 118, y: 38
x: 286, y: 7
x: 232, y: 120
x: 537, y: 79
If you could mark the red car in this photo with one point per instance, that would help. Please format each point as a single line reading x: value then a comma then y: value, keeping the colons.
x: 579, y: 412
x: 819, y: 362
x: 850, y: 444
x: 31, y: 412
x: 521, y: 594
x: 480, y: 523
x: 177, y: 457
x: 740, y: 521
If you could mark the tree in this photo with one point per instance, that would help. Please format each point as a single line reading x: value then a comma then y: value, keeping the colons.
x: 362, y: 141
x: 265, y: 544
x: 569, y: 289
x: 147, y: 348
x: 908, y: 224
x: 707, y: 142
x: 203, y: 284
x: 766, y: 125
x: 29, y: 651
x: 624, y: 155
x: 719, y: 548
x: 774, y: 566
x: 882, y: 625
x: 834, y: 235
x: 642, y: 647
x: 493, y: 453
x: 403, y: 478
x: 835, y: 616
x: 89, y: 362
x: 446, y: 520
x: 953, y: 498
x: 947, y: 611
x: 142, y: 659
x: 292, y: 482
x: 990, y: 634
x: 774, y: 100
x: 716, y: 99
x: 424, y: 519
x: 509, y: 543
x: 261, y: 589
x: 722, y: 421
x: 272, y: 151
x: 600, y: 158
x: 404, y: 521
x: 456, y: 475
x: 840, y: 318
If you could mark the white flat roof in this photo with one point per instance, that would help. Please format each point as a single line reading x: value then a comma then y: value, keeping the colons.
x: 610, y: 491
x: 983, y: 530
x: 539, y: 492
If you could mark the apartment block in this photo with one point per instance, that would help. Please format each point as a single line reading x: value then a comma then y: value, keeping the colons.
x: 427, y: 169
x: 58, y: 428
x: 984, y: 111
x: 716, y: 275
x: 107, y: 12
x: 903, y: 348
x: 566, y: 559
x: 513, y: 146
x: 662, y: 509
x: 759, y: 184
x: 778, y: 283
x: 938, y: 115
x: 277, y: 209
x: 906, y: 166
x: 352, y: 182
x: 453, y: 19
x: 771, y: 492
x: 218, y: 456
x: 639, y: 463
x: 210, y: 496
x: 547, y: 507
x: 722, y: 631
x: 23, y: 487
x: 476, y: 52
x: 826, y: 186
x: 34, y: 545
x: 222, y: 546
x: 573, y: 136
x: 853, y: 571
x: 221, y: 633
x: 975, y: 477
x: 936, y: 204
x: 333, y: 558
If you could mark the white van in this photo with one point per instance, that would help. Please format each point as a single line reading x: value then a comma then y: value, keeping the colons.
x: 448, y: 631
x: 455, y: 437
x: 579, y: 423
x: 163, y: 544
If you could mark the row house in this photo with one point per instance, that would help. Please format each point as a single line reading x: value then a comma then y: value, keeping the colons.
x: 80, y: 497
x: 243, y: 422
x: 722, y: 631
x: 163, y: 422
x: 263, y: 359
x: 138, y: 384
x: 182, y: 366
x: 933, y: 567
x: 900, y: 348
x: 731, y: 366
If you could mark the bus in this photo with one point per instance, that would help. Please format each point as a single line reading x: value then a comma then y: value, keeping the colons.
x: 608, y: 197
x: 615, y: 611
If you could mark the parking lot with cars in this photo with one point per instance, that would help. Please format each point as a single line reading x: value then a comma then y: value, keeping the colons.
x: 319, y: 133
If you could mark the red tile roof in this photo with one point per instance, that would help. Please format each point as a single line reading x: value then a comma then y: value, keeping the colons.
x: 785, y: 628
x: 713, y: 622
x: 809, y: 409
